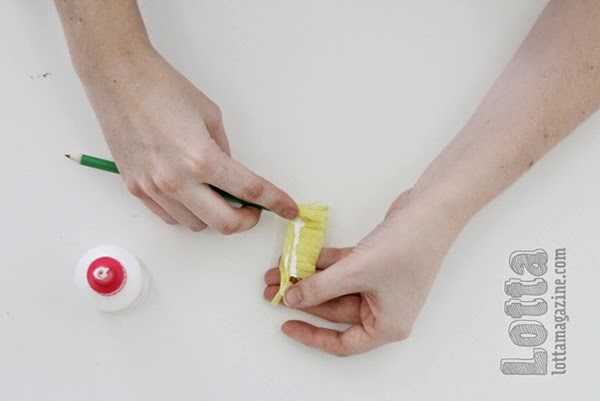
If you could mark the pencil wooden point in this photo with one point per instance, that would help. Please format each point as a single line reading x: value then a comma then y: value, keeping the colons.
x: 76, y: 157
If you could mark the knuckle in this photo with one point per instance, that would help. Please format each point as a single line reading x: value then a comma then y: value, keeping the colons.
x: 400, y: 332
x: 214, y: 113
x: 148, y: 186
x: 135, y: 188
x: 213, y: 116
x: 201, y: 165
x: 254, y: 191
x: 168, y: 183
x: 278, y: 205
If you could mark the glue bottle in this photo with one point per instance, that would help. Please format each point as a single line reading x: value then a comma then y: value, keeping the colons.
x: 111, y: 278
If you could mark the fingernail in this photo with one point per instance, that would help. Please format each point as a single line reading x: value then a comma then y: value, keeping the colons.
x: 290, y: 213
x: 292, y: 297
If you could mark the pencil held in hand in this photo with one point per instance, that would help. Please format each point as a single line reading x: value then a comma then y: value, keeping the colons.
x: 111, y: 167
x: 302, y: 246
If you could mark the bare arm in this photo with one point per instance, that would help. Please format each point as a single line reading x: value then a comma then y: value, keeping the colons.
x: 551, y: 85
x: 378, y: 287
x: 102, y: 32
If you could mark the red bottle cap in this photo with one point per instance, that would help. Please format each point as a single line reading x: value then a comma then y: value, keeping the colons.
x: 106, y: 275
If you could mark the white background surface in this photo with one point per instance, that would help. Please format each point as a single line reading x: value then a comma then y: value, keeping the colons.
x: 340, y: 102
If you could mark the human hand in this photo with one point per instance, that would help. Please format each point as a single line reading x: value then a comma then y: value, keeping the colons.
x: 169, y: 143
x: 377, y: 287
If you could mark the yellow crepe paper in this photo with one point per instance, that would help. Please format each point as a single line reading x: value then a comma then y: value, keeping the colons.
x: 302, y: 246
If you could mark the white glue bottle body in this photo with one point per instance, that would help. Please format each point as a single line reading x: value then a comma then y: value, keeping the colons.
x: 111, y: 278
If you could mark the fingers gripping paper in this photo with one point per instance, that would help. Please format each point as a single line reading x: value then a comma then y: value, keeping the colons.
x: 302, y: 246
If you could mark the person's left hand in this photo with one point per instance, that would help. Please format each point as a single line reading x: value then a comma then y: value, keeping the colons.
x: 377, y: 287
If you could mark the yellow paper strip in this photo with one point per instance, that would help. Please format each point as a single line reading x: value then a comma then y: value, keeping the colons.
x: 302, y: 246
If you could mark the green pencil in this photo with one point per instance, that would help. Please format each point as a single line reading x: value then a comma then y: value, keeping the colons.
x: 111, y: 167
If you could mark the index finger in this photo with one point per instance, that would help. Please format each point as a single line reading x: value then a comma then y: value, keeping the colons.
x: 354, y: 340
x: 232, y: 177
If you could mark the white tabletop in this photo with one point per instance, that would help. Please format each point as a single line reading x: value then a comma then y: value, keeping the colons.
x: 339, y: 102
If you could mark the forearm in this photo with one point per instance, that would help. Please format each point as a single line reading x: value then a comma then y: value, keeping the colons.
x: 550, y: 86
x: 101, y: 32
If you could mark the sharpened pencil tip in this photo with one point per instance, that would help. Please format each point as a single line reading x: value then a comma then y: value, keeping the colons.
x: 68, y: 156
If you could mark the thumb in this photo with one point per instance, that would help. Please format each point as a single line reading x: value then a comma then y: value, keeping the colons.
x: 336, y: 281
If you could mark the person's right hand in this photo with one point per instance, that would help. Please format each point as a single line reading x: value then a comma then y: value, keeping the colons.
x: 169, y: 144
